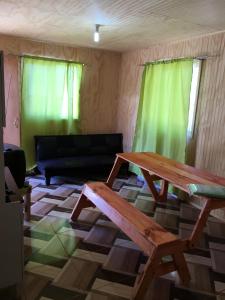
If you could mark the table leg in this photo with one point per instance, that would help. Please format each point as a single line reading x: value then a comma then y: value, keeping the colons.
x: 150, y: 184
x: 162, y: 196
x: 209, y: 205
x: 164, y: 190
x: 200, y: 224
x: 115, y: 170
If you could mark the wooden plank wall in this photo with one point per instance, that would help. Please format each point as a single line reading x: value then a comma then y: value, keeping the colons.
x: 99, y: 92
x: 209, y: 134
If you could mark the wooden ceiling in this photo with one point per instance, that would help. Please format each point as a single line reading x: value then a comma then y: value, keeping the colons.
x: 127, y: 24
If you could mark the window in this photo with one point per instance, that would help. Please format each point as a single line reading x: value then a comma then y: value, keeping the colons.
x: 196, y: 72
x: 50, y: 100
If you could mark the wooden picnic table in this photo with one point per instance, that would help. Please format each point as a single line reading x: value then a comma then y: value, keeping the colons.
x: 157, y: 167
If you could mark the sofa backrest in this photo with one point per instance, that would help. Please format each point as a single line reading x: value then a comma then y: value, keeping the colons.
x: 55, y: 146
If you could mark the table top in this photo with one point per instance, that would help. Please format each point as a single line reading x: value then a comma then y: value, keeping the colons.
x: 178, y: 174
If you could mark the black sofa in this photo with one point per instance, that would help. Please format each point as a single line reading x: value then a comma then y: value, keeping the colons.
x: 71, y: 155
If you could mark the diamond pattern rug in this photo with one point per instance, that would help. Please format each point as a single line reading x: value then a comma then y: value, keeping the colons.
x: 93, y: 260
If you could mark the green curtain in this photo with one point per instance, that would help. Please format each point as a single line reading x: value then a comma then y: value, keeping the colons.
x: 50, y: 100
x: 163, y: 109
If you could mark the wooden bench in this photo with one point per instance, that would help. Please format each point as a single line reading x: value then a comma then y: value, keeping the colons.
x: 154, y: 240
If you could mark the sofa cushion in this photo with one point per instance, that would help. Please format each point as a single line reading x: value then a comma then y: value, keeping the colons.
x: 99, y: 150
x: 82, y: 143
x: 67, y: 151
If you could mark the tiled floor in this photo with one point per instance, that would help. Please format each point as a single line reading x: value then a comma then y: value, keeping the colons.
x: 93, y: 260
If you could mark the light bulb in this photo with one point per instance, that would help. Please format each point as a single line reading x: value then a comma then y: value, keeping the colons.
x: 96, y: 33
x: 96, y: 36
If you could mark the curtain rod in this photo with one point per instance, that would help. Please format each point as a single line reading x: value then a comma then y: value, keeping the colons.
x: 202, y: 57
x: 47, y: 58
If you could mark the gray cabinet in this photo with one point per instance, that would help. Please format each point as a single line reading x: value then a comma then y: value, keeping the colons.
x: 11, y: 218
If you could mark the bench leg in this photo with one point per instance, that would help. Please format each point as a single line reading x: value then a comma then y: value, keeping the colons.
x: 181, y: 267
x: 144, y: 280
x: 155, y: 268
x: 83, y: 202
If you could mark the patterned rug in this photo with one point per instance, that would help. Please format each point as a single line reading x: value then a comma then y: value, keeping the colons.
x: 93, y: 260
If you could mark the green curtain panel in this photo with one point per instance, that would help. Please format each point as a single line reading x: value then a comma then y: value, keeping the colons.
x: 163, y: 109
x: 50, y: 100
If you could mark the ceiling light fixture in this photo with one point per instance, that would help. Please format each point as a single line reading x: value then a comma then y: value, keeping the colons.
x: 96, y: 33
